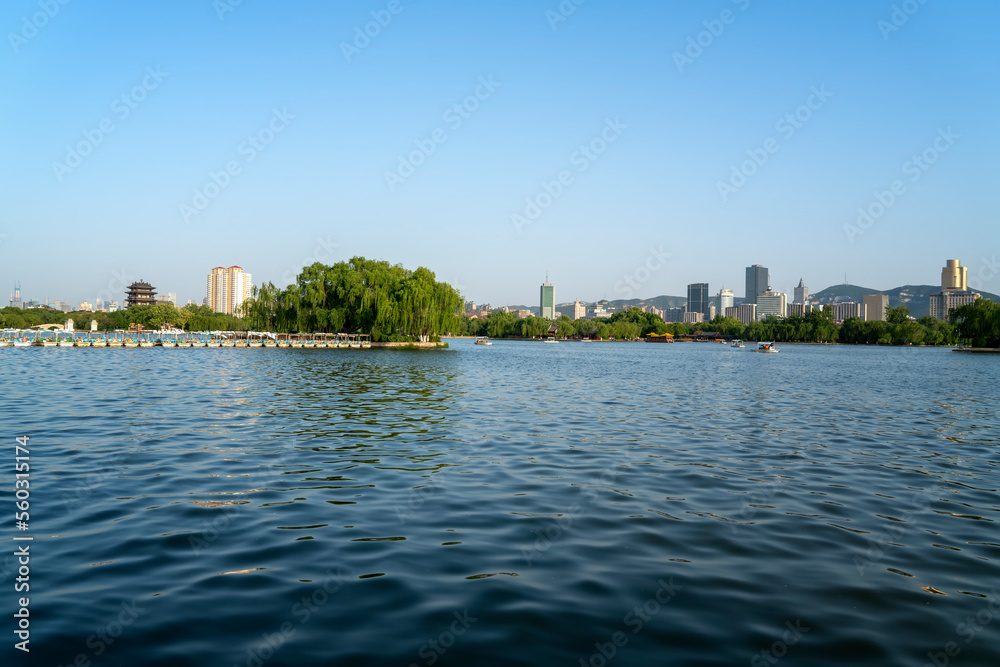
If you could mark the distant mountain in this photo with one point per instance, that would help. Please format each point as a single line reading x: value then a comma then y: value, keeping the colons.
x: 662, y: 302
x: 915, y: 297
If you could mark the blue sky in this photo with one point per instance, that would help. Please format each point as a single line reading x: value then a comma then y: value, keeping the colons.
x: 671, y: 98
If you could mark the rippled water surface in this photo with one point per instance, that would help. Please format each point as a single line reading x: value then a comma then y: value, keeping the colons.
x: 619, y: 504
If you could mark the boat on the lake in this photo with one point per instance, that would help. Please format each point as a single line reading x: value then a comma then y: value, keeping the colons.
x: 738, y: 343
x: 483, y: 340
x: 767, y: 347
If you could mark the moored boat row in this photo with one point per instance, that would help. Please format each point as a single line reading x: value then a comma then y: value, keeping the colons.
x: 39, y: 338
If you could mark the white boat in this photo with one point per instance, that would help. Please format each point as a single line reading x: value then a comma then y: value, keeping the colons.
x: 551, y: 339
x: 482, y: 340
x: 738, y: 343
x: 585, y: 340
x: 767, y: 347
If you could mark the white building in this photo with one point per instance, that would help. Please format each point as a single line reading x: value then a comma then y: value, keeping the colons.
x: 228, y: 289
x: 579, y: 310
x: 772, y: 303
x: 726, y: 299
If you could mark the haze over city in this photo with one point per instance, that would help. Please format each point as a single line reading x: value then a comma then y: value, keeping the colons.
x: 270, y: 136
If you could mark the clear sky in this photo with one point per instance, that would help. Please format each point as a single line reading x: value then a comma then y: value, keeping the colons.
x: 116, y: 114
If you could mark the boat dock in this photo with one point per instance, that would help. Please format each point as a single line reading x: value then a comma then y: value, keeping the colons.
x: 43, y: 338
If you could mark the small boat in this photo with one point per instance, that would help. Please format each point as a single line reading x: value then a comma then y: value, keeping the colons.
x: 767, y: 347
x: 551, y: 339
x: 585, y: 340
x: 738, y: 343
x: 483, y: 340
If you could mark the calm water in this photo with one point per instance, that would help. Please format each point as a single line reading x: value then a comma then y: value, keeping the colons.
x: 619, y: 504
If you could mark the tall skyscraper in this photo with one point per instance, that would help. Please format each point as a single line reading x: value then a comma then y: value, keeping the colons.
x: 801, y: 293
x: 758, y: 282
x: 579, y: 310
x: 547, y: 298
x: 875, y: 305
x: 698, y: 299
x: 954, y: 290
x: 228, y: 289
x: 15, y: 297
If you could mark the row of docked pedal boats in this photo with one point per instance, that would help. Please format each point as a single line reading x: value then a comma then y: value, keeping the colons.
x: 31, y: 338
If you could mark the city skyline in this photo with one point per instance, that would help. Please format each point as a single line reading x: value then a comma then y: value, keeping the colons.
x: 986, y: 271
x: 689, y: 132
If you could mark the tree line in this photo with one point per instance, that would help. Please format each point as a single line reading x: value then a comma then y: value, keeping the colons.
x: 976, y: 324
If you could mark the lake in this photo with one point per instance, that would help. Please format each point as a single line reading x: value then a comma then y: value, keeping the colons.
x: 525, y: 503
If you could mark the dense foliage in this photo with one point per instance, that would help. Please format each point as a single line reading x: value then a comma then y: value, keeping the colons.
x: 359, y: 296
x: 978, y: 323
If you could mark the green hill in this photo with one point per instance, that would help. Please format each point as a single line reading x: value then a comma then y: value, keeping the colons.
x: 915, y: 297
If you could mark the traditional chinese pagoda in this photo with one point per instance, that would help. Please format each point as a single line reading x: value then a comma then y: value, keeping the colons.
x: 140, y: 294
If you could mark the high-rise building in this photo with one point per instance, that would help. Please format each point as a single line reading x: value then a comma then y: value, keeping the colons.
x: 15, y: 297
x: 954, y: 276
x: 547, y: 299
x: 875, y: 305
x: 954, y: 290
x: 758, y: 282
x: 579, y: 310
x: 745, y: 313
x: 844, y: 310
x: 698, y: 299
x: 772, y: 303
x: 799, y: 309
x: 228, y: 289
x: 725, y: 299
x: 140, y: 294
x: 801, y: 294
